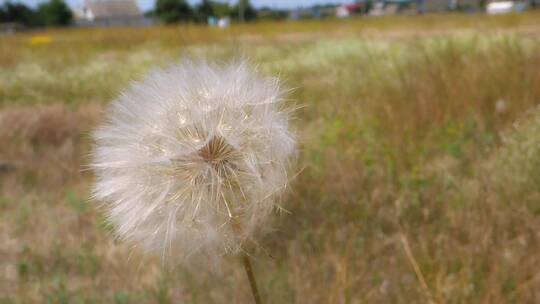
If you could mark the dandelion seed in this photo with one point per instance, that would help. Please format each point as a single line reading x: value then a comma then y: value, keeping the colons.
x: 191, y: 153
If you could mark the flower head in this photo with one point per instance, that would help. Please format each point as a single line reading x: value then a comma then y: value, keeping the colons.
x: 192, y: 159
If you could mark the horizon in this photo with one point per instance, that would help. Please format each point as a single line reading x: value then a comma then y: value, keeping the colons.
x: 146, y: 5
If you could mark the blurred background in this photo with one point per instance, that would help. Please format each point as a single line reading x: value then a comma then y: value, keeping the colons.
x: 419, y: 161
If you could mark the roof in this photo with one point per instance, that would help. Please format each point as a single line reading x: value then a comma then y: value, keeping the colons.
x: 106, y: 9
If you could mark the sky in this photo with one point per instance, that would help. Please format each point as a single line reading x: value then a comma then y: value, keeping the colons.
x: 148, y: 4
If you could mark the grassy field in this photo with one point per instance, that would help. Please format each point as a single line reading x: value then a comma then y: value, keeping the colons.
x: 419, y: 165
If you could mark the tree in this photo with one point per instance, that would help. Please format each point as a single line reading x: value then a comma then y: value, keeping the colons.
x: 243, y: 11
x: 3, y: 14
x: 55, y: 13
x: 221, y: 9
x: 171, y: 11
x: 271, y: 14
x: 205, y: 10
x: 19, y: 13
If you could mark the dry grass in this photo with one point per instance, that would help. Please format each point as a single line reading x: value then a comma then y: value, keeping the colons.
x: 420, y: 156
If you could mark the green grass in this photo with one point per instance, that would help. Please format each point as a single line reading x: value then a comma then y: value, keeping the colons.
x: 415, y: 132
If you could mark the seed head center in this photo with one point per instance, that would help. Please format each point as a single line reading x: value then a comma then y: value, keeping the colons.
x: 216, y: 152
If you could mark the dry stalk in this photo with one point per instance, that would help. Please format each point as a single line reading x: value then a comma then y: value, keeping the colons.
x: 417, y: 270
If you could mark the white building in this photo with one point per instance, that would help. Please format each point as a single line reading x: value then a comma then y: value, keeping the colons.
x: 503, y: 7
x: 110, y: 13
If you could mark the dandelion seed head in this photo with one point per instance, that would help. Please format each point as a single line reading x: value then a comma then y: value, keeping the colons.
x: 191, y: 153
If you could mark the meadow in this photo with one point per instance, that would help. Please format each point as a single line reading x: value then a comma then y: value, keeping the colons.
x: 418, y: 173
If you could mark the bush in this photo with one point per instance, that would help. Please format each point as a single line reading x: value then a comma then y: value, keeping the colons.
x: 55, y: 13
x: 18, y: 13
x: 172, y: 11
x: 51, y: 13
x: 205, y: 10
x: 250, y: 13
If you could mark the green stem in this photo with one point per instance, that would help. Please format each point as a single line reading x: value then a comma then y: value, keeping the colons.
x: 251, y: 278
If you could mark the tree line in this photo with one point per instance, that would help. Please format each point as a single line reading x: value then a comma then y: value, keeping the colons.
x: 173, y: 11
x: 49, y: 13
x: 58, y: 13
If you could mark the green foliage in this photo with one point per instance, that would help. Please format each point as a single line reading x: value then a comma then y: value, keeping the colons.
x: 60, y: 293
x: 4, y: 202
x: 18, y: 13
x: 55, y: 13
x: 75, y: 202
x: 221, y: 9
x: 173, y: 11
x: 51, y: 13
x: 162, y: 291
x: 272, y: 14
x: 87, y: 262
x: 104, y: 225
x: 121, y: 297
x: 6, y: 300
x: 243, y: 11
x: 205, y: 10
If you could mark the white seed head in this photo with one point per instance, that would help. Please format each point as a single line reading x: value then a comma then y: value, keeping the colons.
x: 192, y: 159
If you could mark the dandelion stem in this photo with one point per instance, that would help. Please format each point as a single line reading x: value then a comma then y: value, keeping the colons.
x: 251, y: 278
x: 237, y: 229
